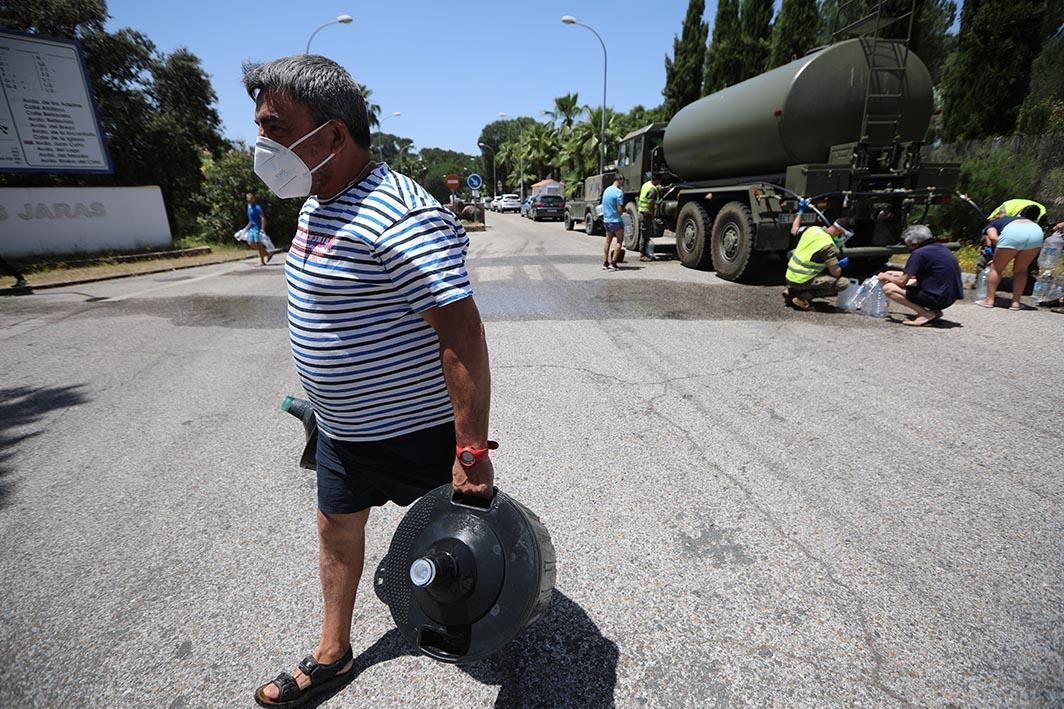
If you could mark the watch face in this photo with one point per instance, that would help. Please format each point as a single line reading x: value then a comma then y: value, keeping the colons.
x: 467, y: 458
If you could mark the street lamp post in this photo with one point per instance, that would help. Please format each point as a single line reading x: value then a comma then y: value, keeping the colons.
x: 520, y: 161
x: 340, y: 20
x: 380, y: 133
x: 494, y: 181
x: 570, y: 20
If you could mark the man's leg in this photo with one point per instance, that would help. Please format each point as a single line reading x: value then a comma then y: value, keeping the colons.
x: 646, y: 226
x: 342, y: 540
x: 614, y: 252
x: 896, y: 293
x: 606, y: 249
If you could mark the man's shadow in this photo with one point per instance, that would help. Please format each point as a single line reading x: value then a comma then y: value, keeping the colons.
x: 560, y: 660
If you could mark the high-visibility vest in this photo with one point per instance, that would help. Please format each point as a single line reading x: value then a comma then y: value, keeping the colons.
x: 647, y: 194
x: 1013, y: 207
x: 802, y: 268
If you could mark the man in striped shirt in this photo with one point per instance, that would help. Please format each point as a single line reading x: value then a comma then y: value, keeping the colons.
x: 385, y: 335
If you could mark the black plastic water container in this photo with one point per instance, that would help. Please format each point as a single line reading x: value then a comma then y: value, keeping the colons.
x: 464, y: 576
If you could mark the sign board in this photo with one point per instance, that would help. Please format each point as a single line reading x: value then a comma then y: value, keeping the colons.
x: 452, y: 181
x: 474, y: 182
x: 476, y: 194
x: 66, y: 220
x: 48, y: 120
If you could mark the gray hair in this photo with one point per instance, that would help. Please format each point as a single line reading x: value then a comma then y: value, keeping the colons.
x: 916, y: 234
x: 322, y: 85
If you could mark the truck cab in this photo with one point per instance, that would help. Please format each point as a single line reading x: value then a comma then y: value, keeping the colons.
x: 636, y: 157
x: 583, y: 206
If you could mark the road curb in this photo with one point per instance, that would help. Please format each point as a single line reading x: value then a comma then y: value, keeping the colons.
x: 82, y: 281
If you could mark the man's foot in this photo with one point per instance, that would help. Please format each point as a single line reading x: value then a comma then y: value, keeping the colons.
x: 310, y: 679
x: 646, y: 258
x: 21, y: 283
x: 269, y: 256
x: 921, y: 320
x: 984, y: 304
x: 614, y: 266
x: 801, y: 303
x: 1016, y: 306
x: 605, y: 265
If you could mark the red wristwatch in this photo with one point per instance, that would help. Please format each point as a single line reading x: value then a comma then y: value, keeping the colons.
x: 469, y: 456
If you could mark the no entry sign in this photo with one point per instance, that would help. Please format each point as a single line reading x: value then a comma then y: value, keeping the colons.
x: 452, y: 181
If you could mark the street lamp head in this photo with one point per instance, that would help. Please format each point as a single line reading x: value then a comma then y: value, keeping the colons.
x: 569, y: 20
x: 345, y: 19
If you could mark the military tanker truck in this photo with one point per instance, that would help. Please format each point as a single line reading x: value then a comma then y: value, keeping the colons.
x: 842, y: 126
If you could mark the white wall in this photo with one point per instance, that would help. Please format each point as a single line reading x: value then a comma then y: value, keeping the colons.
x: 68, y: 220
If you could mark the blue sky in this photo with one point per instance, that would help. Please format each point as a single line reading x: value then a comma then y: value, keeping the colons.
x: 449, y: 68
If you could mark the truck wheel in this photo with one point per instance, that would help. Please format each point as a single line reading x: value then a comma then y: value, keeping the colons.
x: 631, y: 241
x: 692, y: 227
x: 732, y: 243
x: 589, y: 224
x: 568, y: 221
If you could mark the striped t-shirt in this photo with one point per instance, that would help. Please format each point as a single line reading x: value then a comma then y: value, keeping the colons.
x: 361, y: 268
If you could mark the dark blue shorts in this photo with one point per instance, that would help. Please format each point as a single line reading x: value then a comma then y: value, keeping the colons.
x: 353, y: 476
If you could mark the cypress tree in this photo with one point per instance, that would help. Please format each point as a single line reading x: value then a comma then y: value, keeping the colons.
x: 724, y: 61
x: 755, y: 20
x: 795, y: 33
x: 986, y: 78
x: 683, y: 73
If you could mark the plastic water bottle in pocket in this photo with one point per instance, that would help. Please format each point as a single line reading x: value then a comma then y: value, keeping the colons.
x: 846, y: 297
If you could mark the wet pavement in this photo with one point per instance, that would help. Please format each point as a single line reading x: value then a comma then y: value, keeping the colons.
x: 750, y: 505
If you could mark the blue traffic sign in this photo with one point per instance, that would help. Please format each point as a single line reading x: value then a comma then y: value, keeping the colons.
x: 474, y: 181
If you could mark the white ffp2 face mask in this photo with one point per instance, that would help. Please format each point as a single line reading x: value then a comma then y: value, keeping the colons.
x: 282, y: 170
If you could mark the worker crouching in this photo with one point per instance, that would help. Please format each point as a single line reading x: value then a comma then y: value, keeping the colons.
x: 817, y: 252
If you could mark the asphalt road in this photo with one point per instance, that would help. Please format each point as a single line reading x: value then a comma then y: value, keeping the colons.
x: 751, y: 506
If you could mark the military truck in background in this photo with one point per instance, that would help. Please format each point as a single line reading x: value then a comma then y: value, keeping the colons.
x: 583, y: 206
x: 842, y: 126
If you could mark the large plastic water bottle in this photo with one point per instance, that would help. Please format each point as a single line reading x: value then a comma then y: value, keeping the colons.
x: 846, y: 297
x: 1050, y: 253
x: 876, y: 303
x: 980, y: 283
x: 863, y: 292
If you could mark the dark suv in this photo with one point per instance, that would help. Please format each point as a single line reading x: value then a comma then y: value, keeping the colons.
x: 546, y: 206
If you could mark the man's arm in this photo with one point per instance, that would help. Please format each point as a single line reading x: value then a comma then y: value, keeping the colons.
x: 796, y: 225
x: 899, y: 278
x: 262, y: 218
x: 991, y: 236
x: 464, y: 354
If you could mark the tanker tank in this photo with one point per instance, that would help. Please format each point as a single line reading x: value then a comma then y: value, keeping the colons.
x: 793, y: 114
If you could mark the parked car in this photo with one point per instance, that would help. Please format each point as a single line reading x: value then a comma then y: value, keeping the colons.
x: 546, y: 206
x: 526, y: 207
x: 509, y: 203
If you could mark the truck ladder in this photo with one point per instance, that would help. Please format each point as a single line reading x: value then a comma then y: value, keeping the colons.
x: 887, y: 58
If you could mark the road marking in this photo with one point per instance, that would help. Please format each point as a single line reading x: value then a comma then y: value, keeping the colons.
x: 486, y: 274
x: 164, y: 286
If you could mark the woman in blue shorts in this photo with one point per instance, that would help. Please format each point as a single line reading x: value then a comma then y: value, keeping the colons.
x: 1018, y: 241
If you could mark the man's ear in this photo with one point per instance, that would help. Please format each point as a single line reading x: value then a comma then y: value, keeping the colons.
x: 338, y: 135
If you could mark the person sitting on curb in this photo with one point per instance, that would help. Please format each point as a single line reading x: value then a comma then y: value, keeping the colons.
x: 817, y: 251
x: 930, y: 281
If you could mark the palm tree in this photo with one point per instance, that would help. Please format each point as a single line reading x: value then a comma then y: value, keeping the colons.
x: 373, y: 111
x: 566, y: 110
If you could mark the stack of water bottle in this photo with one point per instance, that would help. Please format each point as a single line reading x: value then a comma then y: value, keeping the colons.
x: 1050, y: 283
x: 866, y: 298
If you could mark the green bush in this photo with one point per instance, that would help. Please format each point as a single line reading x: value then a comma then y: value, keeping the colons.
x: 989, y: 177
x: 226, y: 181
